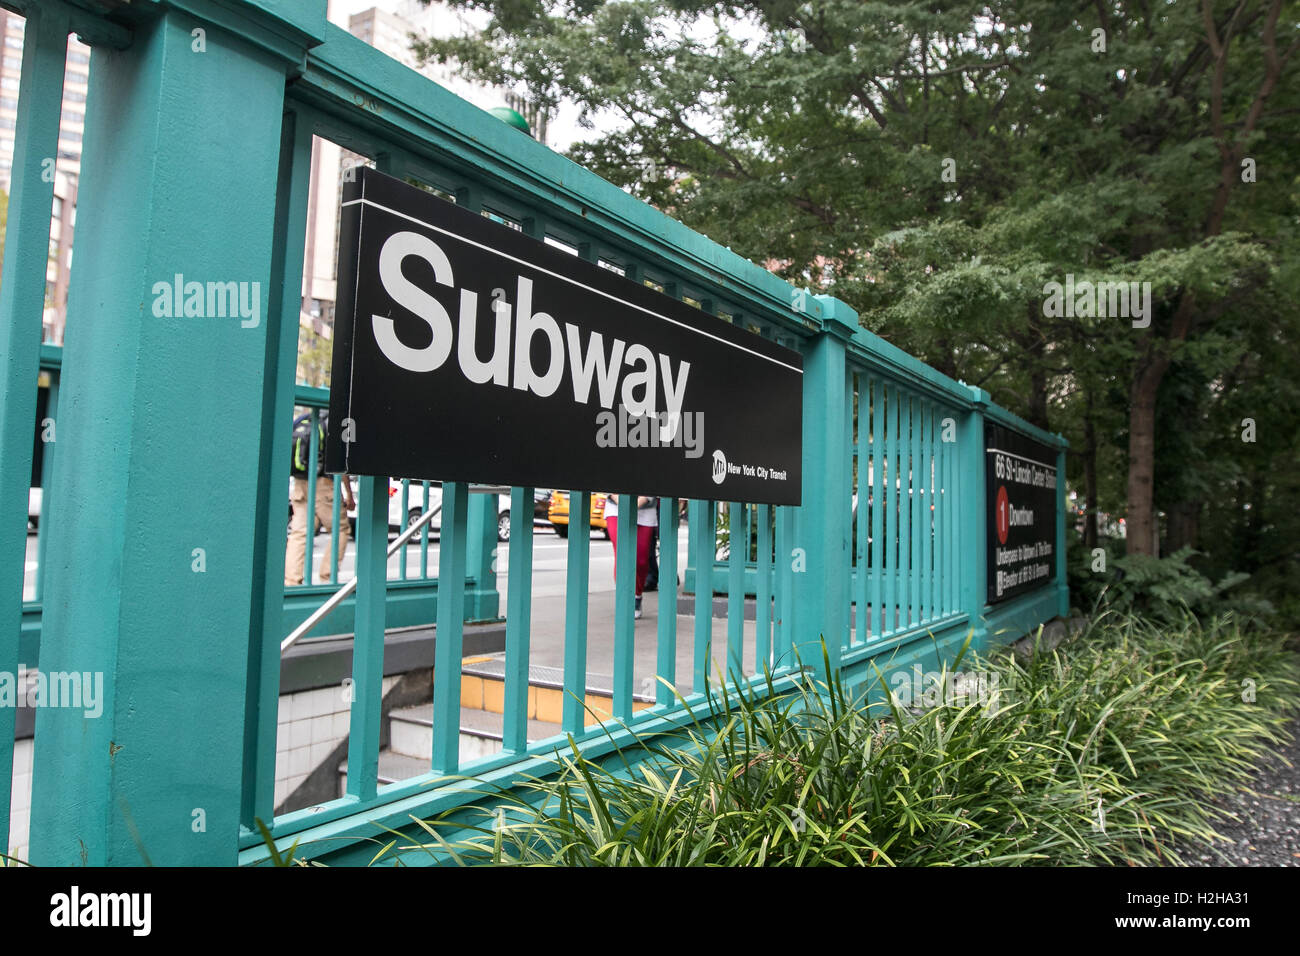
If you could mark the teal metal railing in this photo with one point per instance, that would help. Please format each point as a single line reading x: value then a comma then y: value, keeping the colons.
x: 896, y: 581
x: 412, y: 572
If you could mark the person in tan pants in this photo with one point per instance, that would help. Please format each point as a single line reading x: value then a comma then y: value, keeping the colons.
x: 295, y: 554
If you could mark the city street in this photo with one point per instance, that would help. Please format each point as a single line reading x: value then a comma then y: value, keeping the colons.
x: 550, y: 562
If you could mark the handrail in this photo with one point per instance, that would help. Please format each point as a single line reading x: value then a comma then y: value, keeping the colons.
x: 338, y: 596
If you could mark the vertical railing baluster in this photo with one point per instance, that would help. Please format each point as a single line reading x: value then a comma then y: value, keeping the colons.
x: 334, y: 529
x: 403, y: 523
x: 424, y: 534
x: 624, y: 605
x: 309, y: 555
x: 913, y: 505
x: 449, y: 634
x: 941, y: 533
x: 912, y: 478
x: 368, y: 641
x: 904, y: 510
x: 889, y: 566
x: 666, y: 659
x: 932, y: 470
x: 763, y: 592
x: 784, y: 558
x: 22, y: 296
x: 519, y: 605
x: 575, y: 612
x: 702, y: 520
x: 866, y: 457
x: 878, y: 626
x: 953, y: 552
x: 47, y: 478
x: 927, y: 498
x: 845, y: 571
x: 284, y: 299
x: 739, y: 540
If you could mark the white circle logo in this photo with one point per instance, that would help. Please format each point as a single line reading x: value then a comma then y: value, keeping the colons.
x: 719, y: 467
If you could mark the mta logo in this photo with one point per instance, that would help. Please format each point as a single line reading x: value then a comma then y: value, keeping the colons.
x: 719, y: 467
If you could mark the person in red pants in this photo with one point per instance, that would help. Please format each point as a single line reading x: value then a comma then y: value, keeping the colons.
x: 647, y: 519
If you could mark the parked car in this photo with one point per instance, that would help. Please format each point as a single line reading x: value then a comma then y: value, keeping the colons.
x: 558, y: 512
x: 415, y: 507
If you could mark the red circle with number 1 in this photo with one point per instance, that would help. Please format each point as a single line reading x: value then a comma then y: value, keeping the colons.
x: 1004, y: 514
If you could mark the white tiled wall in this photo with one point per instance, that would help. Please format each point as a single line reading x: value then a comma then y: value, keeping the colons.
x: 312, y: 723
x: 20, y: 800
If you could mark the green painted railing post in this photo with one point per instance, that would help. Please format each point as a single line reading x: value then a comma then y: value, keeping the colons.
x: 483, y: 600
x: 822, y: 531
x: 284, y: 299
x: 22, y: 298
x: 972, y: 517
x: 149, y: 587
x: 1062, y: 580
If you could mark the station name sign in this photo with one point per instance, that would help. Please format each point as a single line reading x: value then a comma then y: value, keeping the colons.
x: 1020, y: 478
x: 465, y: 350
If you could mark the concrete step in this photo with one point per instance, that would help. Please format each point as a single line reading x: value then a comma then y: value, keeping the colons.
x: 392, y: 768
x: 411, y: 741
x: 482, y: 687
x: 410, y: 732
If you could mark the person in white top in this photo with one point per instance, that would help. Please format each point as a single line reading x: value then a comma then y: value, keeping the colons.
x: 647, y: 519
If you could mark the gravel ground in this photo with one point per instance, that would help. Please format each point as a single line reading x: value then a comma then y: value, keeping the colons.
x: 1267, y: 829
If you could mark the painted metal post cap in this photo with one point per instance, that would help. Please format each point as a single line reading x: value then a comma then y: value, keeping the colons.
x: 513, y: 117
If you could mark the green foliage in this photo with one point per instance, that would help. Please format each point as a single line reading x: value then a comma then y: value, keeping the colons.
x: 1164, y: 590
x: 1146, y: 723
x: 936, y: 164
x: 314, y: 359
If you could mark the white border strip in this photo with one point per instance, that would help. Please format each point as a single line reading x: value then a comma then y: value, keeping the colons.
x: 556, y: 275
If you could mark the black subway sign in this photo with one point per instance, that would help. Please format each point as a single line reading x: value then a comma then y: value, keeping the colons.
x: 465, y: 350
x: 1020, y: 479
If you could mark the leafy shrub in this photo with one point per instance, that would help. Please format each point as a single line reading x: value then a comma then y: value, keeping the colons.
x: 1104, y: 751
x: 1162, y: 589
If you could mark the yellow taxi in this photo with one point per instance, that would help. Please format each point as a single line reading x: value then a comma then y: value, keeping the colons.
x: 558, y: 512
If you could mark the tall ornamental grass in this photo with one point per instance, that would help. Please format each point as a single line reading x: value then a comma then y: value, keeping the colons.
x: 1105, y: 751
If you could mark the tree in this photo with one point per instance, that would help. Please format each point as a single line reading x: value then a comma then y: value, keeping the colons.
x: 949, y: 161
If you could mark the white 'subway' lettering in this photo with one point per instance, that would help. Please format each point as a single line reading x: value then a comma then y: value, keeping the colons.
x: 623, y: 371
